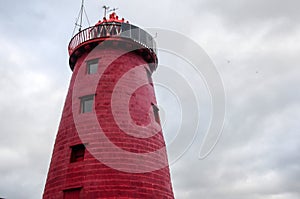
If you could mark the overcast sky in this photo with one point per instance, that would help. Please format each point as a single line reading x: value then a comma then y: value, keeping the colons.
x: 255, y: 46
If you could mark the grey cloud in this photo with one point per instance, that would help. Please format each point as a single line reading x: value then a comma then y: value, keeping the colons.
x: 257, y: 156
x: 245, y: 11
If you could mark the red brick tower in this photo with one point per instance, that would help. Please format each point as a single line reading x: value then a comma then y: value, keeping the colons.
x: 109, y: 143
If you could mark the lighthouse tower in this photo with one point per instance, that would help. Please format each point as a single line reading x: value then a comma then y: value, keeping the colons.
x: 109, y: 142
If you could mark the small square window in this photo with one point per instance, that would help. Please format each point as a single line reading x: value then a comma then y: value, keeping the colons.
x: 72, y: 193
x: 149, y: 74
x: 77, y: 153
x: 92, y: 66
x: 87, y: 103
x: 156, y: 114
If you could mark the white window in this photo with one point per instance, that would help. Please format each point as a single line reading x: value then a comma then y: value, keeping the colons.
x: 87, y: 103
x: 92, y: 66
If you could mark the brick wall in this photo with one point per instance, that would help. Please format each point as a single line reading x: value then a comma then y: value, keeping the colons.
x: 121, y: 136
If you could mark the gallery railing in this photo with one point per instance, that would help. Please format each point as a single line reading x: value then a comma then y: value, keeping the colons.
x: 113, y: 29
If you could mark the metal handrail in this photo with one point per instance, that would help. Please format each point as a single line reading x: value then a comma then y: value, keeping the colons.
x: 113, y: 29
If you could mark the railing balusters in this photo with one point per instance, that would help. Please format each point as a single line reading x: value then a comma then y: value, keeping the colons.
x: 136, y: 34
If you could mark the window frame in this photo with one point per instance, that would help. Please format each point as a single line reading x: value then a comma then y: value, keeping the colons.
x: 67, y: 193
x: 149, y: 76
x: 75, y: 149
x: 89, y: 63
x: 84, y: 99
x: 156, y: 112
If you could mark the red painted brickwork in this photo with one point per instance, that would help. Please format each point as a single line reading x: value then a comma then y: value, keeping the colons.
x: 121, y: 88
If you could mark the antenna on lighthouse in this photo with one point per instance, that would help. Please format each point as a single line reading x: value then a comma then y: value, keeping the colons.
x: 107, y: 10
x: 79, y: 20
x: 113, y: 10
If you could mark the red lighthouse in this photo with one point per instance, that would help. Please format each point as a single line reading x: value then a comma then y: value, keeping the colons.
x: 109, y: 142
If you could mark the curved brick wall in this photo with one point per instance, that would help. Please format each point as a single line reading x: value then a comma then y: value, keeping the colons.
x: 112, y: 177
